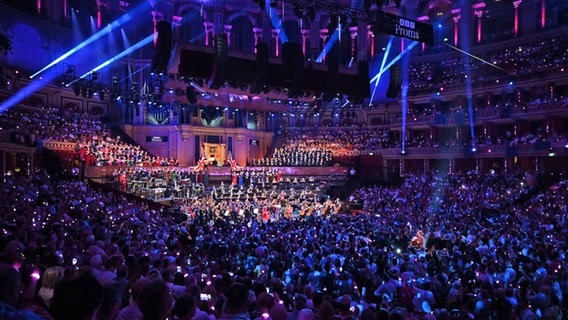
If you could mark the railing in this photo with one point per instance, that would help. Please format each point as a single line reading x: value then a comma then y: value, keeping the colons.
x: 59, y: 146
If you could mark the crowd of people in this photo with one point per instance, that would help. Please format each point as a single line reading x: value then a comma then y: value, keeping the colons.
x: 540, y: 56
x: 470, y: 245
x: 298, y: 155
x: 94, y: 143
x: 439, y: 246
x: 342, y: 138
x: 282, y: 196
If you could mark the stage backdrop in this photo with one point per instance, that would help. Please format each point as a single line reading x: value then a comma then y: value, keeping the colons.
x: 215, y: 151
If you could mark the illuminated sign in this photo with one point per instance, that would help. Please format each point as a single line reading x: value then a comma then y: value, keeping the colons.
x: 405, y: 28
x: 156, y: 138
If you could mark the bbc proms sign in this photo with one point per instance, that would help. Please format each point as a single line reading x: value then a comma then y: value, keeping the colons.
x: 405, y: 28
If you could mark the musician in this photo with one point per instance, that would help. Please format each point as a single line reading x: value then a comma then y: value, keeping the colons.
x: 418, y: 240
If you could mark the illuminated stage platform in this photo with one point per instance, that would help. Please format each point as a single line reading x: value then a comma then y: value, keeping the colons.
x: 219, y: 173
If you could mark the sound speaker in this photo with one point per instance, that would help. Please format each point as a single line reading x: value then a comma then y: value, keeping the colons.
x: 163, y: 46
x: 261, y: 76
x: 363, y: 85
x: 332, y: 77
x: 219, y: 72
x: 190, y: 94
x: 293, y: 65
x: 394, y: 81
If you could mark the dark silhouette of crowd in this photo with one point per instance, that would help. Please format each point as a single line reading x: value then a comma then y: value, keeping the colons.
x: 439, y: 246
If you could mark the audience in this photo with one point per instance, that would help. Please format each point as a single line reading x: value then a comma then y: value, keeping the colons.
x: 465, y: 245
x: 469, y: 261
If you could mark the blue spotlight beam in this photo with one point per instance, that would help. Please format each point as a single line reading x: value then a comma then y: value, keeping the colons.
x: 395, y: 60
x: 387, y: 51
x: 404, y: 97
x: 125, y: 38
x: 26, y: 91
x: 276, y: 21
x: 93, y: 25
x: 342, y: 25
x: 115, y: 24
x: 135, y: 72
x: 135, y: 47
x: 336, y: 36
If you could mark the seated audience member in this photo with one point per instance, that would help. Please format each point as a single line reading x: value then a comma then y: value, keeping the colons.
x: 78, y: 298
x: 132, y: 311
x: 155, y: 300
x: 237, y: 303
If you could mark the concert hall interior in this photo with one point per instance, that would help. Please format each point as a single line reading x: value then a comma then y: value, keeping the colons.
x: 283, y: 159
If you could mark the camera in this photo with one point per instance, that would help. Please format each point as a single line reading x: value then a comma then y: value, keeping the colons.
x: 205, y: 297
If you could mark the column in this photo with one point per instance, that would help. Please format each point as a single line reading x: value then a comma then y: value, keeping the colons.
x: 209, y: 33
x: 156, y: 16
x: 176, y: 21
x: 478, y: 11
x: 227, y: 30
x: 324, y: 34
x: 276, y: 37
x: 371, y: 41
x: 456, y: 13
x: 425, y: 20
x: 516, y: 4
x: 305, y: 36
x: 99, y: 13
x: 542, y: 13
x: 257, y: 32
x: 353, y: 32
